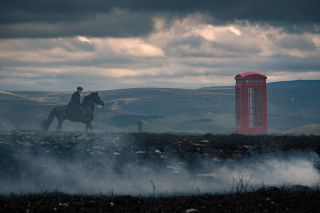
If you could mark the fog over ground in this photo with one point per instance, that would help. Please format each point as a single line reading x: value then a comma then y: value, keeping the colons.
x: 90, y: 170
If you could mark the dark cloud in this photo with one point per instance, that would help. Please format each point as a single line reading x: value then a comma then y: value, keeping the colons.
x: 117, y: 23
x: 276, y: 63
x: 237, y: 48
x: 194, y: 42
x: 69, y: 45
x: 45, y: 18
x: 290, y: 63
x: 298, y: 43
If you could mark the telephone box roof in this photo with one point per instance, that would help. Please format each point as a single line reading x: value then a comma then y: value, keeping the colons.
x: 250, y: 73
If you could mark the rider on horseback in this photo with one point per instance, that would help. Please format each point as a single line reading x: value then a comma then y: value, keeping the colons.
x: 75, y: 111
x: 74, y: 107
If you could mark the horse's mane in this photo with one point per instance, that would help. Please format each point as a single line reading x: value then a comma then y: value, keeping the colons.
x: 87, y: 97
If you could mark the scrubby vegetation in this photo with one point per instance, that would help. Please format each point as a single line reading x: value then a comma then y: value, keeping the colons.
x: 268, y: 199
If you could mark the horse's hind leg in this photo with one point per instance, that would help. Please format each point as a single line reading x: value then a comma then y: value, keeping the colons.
x: 59, y: 127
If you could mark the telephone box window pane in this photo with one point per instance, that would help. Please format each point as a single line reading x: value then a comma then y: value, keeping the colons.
x: 255, y: 107
x: 238, y: 104
x: 254, y: 81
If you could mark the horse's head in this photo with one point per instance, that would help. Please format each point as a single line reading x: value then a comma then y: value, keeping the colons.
x: 96, y: 99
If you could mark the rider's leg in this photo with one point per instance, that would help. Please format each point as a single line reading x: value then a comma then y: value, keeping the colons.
x: 83, y: 112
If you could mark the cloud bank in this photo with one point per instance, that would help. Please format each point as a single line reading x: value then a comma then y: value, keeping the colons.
x: 102, y: 44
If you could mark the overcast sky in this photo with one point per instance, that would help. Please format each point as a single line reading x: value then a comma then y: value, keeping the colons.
x: 110, y: 44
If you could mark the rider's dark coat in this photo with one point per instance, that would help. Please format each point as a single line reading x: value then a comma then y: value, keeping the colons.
x: 74, y: 109
x: 75, y: 99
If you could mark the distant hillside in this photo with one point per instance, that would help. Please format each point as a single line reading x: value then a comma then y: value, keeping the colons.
x: 293, y: 103
x: 311, y: 129
x: 9, y: 96
x: 295, y: 83
x: 290, y: 104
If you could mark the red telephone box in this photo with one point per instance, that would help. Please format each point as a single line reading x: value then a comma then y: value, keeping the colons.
x: 251, y: 103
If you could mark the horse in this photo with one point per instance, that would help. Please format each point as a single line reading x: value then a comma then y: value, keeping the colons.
x: 61, y: 113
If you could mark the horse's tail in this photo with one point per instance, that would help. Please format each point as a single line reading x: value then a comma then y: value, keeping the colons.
x: 48, y: 121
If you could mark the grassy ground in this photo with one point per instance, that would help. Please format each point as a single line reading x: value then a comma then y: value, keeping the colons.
x: 263, y: 200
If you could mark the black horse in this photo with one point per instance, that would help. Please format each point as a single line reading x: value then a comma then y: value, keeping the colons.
x: 61, y: 113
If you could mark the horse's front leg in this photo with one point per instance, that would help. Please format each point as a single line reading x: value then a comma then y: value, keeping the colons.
x: 87, y: 126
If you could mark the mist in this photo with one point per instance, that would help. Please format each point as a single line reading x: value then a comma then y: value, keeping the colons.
x: 118, y: 166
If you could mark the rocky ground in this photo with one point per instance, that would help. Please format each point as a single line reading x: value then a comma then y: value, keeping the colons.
x: 146, y: 147
x: 143, y: 148
x: 153, y: 145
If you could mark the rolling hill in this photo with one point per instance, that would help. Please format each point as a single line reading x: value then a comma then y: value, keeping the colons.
x: 290, y: 104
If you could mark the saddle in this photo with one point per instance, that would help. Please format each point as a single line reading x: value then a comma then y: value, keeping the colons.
x: 76, y: 113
